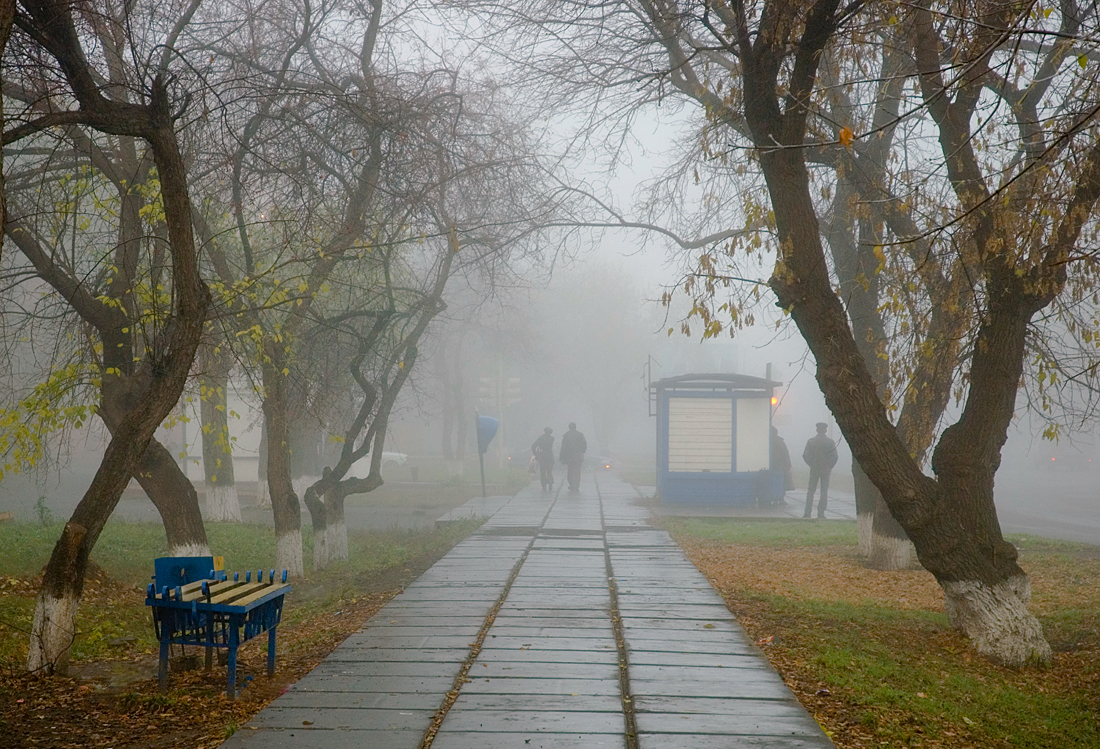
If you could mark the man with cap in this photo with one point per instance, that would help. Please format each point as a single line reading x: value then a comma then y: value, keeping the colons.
x: 820, y: 456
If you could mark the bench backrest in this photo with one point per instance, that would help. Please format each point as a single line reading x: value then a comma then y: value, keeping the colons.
x: 173, y: 571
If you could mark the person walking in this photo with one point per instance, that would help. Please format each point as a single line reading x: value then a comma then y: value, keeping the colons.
x: 820, y: 456
x: 543, y: 450
x: 573, y: 446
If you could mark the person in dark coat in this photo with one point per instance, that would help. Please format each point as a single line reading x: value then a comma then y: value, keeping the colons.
x: 573, y: 446
x: 820, y: 456
x: 543, y: 450
x: 781, y: 459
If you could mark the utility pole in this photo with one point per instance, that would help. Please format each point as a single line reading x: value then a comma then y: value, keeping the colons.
x: 502, y: 456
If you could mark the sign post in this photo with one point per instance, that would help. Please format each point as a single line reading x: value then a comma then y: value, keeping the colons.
x: 486, y: 430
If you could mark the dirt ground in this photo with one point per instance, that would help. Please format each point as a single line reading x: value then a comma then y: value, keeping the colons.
x: 115, y: 703
x: 741, y: 572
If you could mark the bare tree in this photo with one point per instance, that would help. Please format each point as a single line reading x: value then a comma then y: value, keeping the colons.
x: 77, y: 90
x: 997, y: 229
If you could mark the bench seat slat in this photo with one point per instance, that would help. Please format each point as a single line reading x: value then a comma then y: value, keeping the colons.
x: 256, y: 595
x: 230, y: 596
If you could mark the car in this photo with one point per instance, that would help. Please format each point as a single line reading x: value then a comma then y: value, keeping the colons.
x: 603, y: 463
x: 390, y: 461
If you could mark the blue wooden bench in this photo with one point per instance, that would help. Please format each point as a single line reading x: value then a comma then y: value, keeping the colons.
x: 194, y: 604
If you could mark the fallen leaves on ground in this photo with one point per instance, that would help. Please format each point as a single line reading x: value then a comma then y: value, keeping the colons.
x: 744, y: 575
x: 68, y: 713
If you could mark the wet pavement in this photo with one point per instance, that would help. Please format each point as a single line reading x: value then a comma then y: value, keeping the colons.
x: 565, y: 622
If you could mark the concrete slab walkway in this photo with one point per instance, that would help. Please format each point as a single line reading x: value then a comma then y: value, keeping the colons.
x: 565, y: 622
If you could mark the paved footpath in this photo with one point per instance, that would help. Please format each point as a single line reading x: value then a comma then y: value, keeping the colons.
x: 565, y: 622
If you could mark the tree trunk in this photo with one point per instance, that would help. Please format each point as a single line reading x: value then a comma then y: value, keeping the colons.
x: 7, y: 18
x: 222, y: 502
x: 176, y: 500
x: 305, y: 458
x: 461, y: 420
x: 446, y: 390
x: 284, y: 502
x: 891, y: 549
x: 337, y: 528
x: 318, y: 516
x: 952, y: 521
x: 151, y: 399
x: 330, y: 533
x: 263, y: 494
x: 865, y: 492
x: 163, y: 482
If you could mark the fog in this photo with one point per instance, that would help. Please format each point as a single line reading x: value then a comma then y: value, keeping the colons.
x: 576, y: 333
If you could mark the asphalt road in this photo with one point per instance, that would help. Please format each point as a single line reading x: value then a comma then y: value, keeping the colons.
x: 1052, y: 503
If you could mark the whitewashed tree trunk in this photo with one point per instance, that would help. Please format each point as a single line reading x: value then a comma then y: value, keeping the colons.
x: 223, y: 503
x: 338, y: 540
x: 288, y: 553
x: 189, y: 550
x: 890, y: 553
x: 263, y: 494
x: 865, y: 521
x: 52, y: 632
x: 997, y: 621
x: 321, y: 549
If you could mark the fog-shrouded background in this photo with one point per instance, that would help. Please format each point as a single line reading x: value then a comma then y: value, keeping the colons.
x: 580, y: 343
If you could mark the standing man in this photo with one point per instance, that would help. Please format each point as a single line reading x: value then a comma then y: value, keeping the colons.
x: 573, y: 446
x: 820, y: 456
x: 543, y: 450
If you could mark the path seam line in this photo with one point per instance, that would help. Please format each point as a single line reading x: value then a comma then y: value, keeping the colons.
x: 475, y: 649
x: 629, y: 724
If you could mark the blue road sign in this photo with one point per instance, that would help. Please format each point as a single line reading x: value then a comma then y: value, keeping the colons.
x: 486, y: 430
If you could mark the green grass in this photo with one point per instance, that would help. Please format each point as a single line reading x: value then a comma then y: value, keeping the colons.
x: 773, y: 532
x: 881, y: 660
x: 126, y: 551
x: 906, y: 675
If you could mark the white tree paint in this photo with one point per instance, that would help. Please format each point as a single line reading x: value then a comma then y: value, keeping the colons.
x: 865, y: 522
x: 338, y: 541
x: 889, y: 553
x: 53, y: 632
x: 222, y: 503
x: 320, y: 549
x: 288, y: 554
x: 997, y: 621
x: 330, y: 546
x: 189, y: 550
x: 263, y: 494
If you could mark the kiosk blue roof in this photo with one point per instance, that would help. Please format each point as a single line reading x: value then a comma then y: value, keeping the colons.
x: 716, y: 381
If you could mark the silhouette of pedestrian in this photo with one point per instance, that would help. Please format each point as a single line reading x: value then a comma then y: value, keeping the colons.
x: 543, y: 450
x: 820, y: 456
x: 573, y: 446
x: 781, y: 459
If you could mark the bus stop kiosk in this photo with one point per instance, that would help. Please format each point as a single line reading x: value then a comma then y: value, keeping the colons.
x: 714, y: 440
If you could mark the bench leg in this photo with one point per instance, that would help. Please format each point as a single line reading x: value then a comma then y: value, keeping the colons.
x: 209, y: 638
x: 231, y: 691
x: 162, y: 668
x: 271, y: 652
